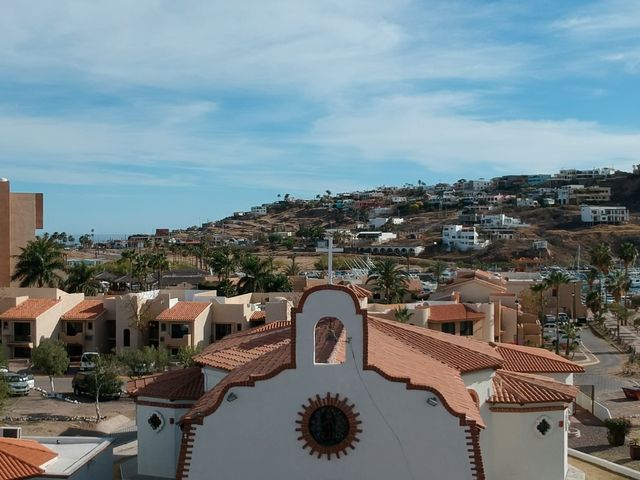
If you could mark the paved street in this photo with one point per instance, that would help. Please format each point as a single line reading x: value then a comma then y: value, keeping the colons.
x: 604, y: 375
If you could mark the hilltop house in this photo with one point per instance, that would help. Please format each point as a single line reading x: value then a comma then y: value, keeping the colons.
x: 459, y: 237
x: 339, y: 393
x: 599, y: 214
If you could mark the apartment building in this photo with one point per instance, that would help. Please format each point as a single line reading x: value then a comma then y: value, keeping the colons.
x: 579, y: 194
x: 600, y: 214
x: 28, y: 319
x: 462, y: 238
x: 21, y: 214
x: 183, y: 324
x: 572, y: 174
x: 84, y: 328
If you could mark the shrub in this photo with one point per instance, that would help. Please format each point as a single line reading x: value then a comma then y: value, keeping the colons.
x: 618, y: 429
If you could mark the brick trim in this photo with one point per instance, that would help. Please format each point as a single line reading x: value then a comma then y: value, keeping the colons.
x: 307, y: 438
x: 186, y: 450
x: 475, y: 454
x: 541, y: 408
x: 148, y: 403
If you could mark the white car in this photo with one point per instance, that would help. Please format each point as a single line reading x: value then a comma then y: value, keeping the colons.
x: 87, y: 360
x: 16, y: 383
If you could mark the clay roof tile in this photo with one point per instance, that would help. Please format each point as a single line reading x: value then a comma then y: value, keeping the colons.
x: 30, y: 309
x: 85, y: 310
x: 183, y: 312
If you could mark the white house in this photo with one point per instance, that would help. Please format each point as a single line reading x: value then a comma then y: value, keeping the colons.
x: 376, y: 237
x: 340, y: 393
x: 462, y: 238
x: 501, y: 221
x: 598, y: 214
x: 259, y: 210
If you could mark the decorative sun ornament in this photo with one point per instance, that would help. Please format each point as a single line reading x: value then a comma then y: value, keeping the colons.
x: 328, y: 426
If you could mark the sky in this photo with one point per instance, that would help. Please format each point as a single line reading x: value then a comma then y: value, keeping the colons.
x: 131, y: 116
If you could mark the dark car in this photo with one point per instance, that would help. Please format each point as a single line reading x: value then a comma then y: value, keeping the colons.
x: 82, y: 385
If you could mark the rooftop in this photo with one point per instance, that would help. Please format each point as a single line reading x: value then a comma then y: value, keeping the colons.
x: 22, y: 458
x: 183, y: 311
x: 85, y: 310
x: 30, y: 309
x: 455, y: 312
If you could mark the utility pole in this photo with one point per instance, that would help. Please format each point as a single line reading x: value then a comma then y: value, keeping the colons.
x: 330, y: 258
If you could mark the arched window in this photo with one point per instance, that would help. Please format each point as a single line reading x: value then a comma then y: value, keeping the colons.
x: 330, y: 341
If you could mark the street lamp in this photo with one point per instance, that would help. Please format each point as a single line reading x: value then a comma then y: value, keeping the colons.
x: 573, y: 298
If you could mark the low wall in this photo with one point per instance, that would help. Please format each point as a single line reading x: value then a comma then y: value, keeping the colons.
x: 607, y: 465
x: 599, y: 410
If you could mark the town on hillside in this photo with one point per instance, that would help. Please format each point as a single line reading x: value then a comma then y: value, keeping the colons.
x: 495, y: 320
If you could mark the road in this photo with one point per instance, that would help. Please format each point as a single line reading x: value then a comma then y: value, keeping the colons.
x: 604, y: 374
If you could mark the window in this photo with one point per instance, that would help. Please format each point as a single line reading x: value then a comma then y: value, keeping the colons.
x: 127, y: 337
x: 466, y: 328
x: 223, y: 329
x: 73, y: 328
x: 163, y: 327
x: 449, y: 327
x: 238, y: 327
x: 89, y: 325
x: 330, y: 338
x: 179, y: 330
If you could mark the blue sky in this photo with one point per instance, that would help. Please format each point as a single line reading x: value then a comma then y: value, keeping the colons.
x: 134, y: 115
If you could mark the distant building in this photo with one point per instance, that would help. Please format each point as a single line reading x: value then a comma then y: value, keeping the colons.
x: 572, y: 174
x: 20, y: 215
x: 599, y: 214
x: 535, y: 180
x: 260, y: 210
x: 476, y: 185
x: 462, y: 238
x: 527, y: 202
x: 376, y: 237
x: 579, y: 194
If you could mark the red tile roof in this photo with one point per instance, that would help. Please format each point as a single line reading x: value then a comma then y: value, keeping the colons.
x: 523, y: 388
x: 85, y: 310
x: 359, y: 291
x: 30, y: 309
x: 519, y: 358
x: 462, y: 353
x: 258, y: 315
x: 455, y: 312
x: 22, y: 458
x: 183, y: 312
x: 183, y: 384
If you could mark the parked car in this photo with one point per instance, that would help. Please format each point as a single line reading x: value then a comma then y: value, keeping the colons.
x: 87, y: 360
x: 16, y: 383
x: 563, y: 317
x: 82, y: 385
x: 564, y: 339
x: 549, y: 319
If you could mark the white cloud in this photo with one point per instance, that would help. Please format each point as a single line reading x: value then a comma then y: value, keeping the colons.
x: 408, y: 128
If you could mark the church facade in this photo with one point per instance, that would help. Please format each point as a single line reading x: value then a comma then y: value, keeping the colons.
x: 338, y: 393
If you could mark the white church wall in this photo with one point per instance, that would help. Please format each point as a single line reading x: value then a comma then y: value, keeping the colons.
x: 480, y: 382
x: 402, y: 436
x: 212, y: 377
x: 158, y: 449
x: 512, y: 447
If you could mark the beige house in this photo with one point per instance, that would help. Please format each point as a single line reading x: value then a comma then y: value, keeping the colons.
x: 27, y: 321
x: 185, y: 324
x: 20, y: 215
x: 510, y: 323
x: 84, y: 328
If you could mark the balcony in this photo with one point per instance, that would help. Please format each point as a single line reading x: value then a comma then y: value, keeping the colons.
x: 77, y: 339
x: 183, y: 341
x: 21, y: 341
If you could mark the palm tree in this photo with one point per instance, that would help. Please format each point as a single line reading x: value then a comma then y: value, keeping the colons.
x: 293, y: 268
x: 570, y: 331
x: 158, y: 261
x: 593, y: 302
x: 256, y: 274
x: 38, y: 263
x: 628, y: 254
x: 554, y: 281
x: 81, y: 280
x: 402, y: 314
x: 592, y: 276
x: 438, y: 269
x: 538, y: 289
x: 129, y: 255
x: 278, y: 283
x: 389, y: 279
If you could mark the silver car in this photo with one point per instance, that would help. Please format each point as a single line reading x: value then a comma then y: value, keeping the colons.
x: 16, y: 383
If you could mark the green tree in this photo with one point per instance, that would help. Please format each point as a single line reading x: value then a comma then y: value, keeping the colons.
x: 103, y: 380
x: 39, y: 263
x: 402, y: 314
x: 223, y: 262
x: 81, y: 280
x: 144, y: 361
x: 50, y: 357
x: 554, y: 281
x: 438, y: 270
x: 628, y: 253
x: 618, y: 285
x: 186, y: 354
x: 570, y: 331
x: 389, y: 280
x: 621, y: 314
x: 293, y: 268
x: 538, y: 290
x: 159, y: 263
x: 129, y: 256
x: 594, y: 303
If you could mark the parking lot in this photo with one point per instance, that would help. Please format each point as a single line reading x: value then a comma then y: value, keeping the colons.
x: 37, y: 407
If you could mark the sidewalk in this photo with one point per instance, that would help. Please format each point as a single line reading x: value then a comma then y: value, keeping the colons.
x: 628, y: 334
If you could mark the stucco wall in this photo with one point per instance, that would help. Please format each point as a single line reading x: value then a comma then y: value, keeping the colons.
x: 519, y: 451
x: 158, y: 450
